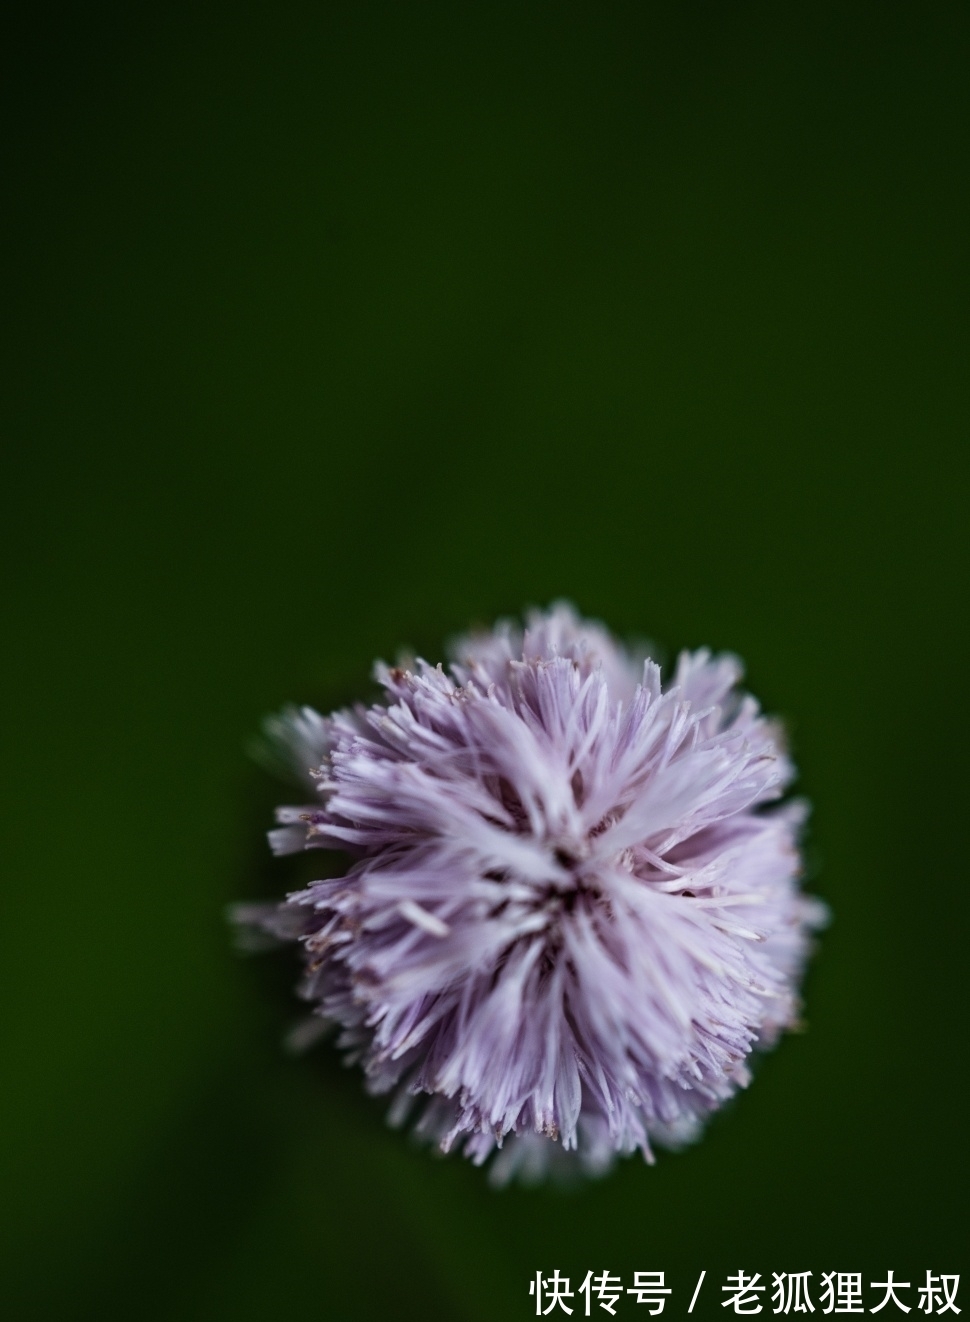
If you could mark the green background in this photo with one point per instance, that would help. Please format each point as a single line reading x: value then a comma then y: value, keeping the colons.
x: 335, y: 329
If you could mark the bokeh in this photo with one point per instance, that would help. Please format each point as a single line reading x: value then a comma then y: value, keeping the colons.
x: 331, y: 330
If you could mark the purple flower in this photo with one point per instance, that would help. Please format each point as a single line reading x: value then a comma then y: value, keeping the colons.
x: 571, y: 914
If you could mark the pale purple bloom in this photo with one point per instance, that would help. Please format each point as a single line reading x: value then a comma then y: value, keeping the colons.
x: 571, y: 913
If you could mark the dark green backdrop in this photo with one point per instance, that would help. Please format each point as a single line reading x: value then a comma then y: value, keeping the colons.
x: 334, y: 329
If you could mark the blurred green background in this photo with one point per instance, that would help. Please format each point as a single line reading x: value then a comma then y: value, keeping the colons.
x: 334, y: 329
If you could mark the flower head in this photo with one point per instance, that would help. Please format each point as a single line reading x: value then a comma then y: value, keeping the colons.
x: 571, y: 913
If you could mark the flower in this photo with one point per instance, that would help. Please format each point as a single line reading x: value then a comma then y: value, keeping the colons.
x: 573, y: 909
